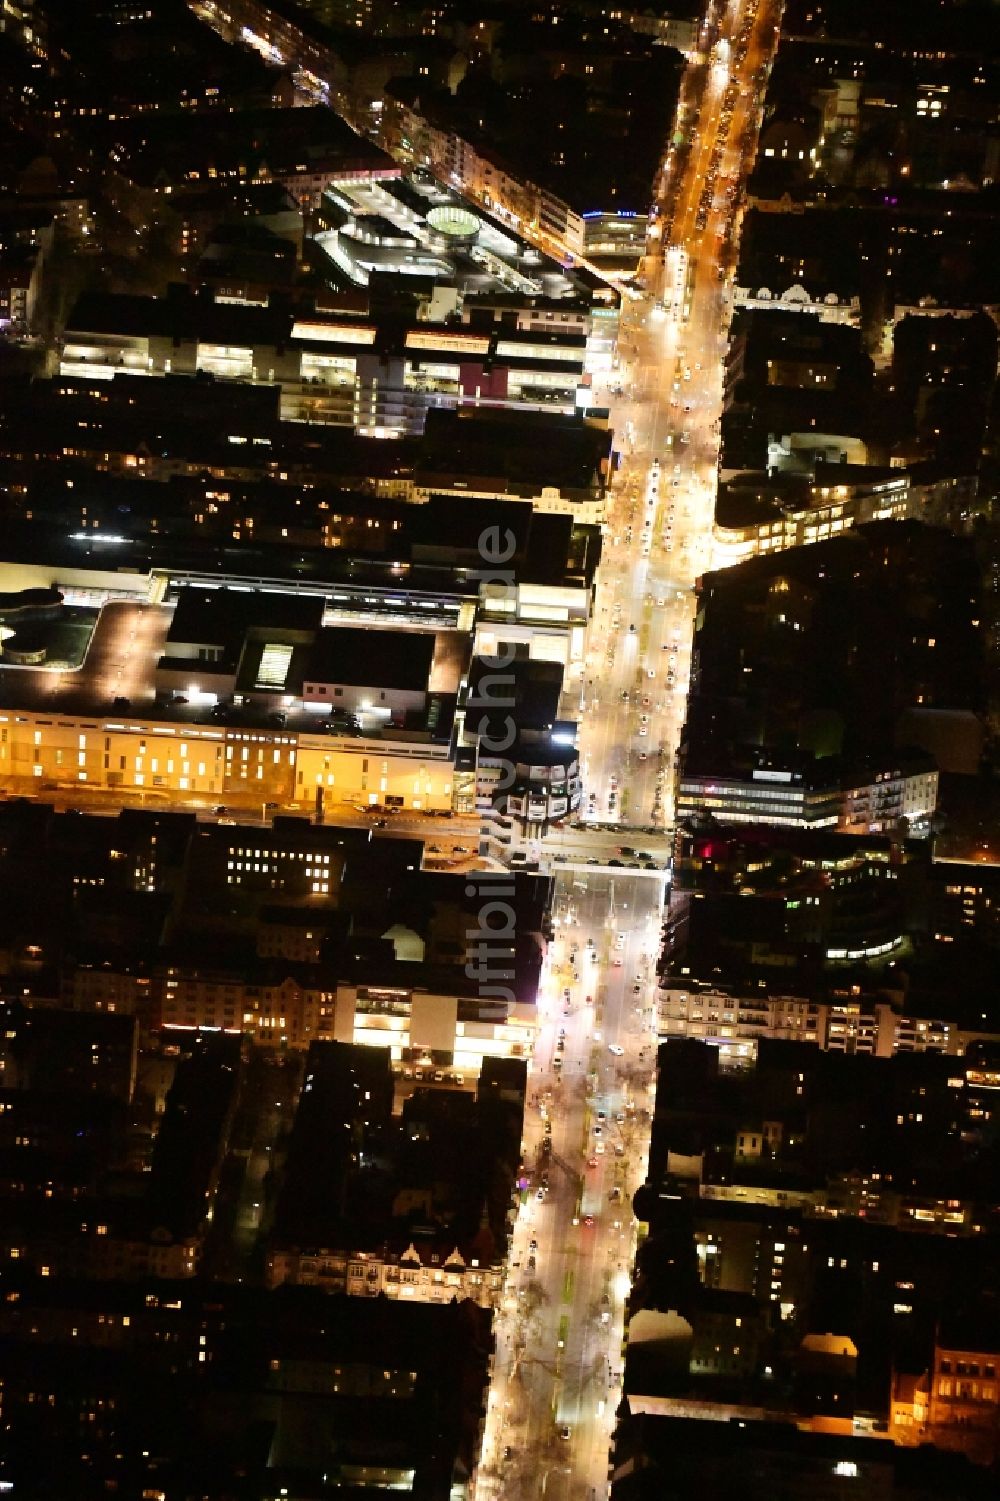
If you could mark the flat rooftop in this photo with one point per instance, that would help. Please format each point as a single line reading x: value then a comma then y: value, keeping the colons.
x: 117, y: 679
x: 379, y: 659
x: 217, y: 616
x: 533, y: 448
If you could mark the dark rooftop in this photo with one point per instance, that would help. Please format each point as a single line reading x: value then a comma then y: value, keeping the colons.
x: 536, y: 448
x: 223, y: 616
x: 370, y: 658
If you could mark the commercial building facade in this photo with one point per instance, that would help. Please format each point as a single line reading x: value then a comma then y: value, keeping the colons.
x: 878, y: 802
x: 832, y: 508
x: 42, y: 751
x: 767, y: 796
x: 350, y: 372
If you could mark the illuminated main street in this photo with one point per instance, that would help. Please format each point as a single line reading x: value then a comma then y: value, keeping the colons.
x: 559, y: 1335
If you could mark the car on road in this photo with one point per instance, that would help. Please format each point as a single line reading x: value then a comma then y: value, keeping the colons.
x: 616, y: 1049
x: 565, y: 1433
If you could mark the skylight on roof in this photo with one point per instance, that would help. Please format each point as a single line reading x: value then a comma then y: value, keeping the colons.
x: 274, y: 661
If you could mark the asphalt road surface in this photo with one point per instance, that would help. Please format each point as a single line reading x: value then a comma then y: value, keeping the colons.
x: 559, y: 1332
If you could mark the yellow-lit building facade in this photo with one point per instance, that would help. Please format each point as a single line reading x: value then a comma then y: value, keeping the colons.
x: 955, y: 1405
x: 47, y: 751
x: 965, y: 1402
x: 408, y: 1276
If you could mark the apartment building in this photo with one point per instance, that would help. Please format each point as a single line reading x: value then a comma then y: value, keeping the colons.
x: 955, y: 1403
x: 845, y: 1024
x: 437, y: 1239
x: 729, y: 1021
